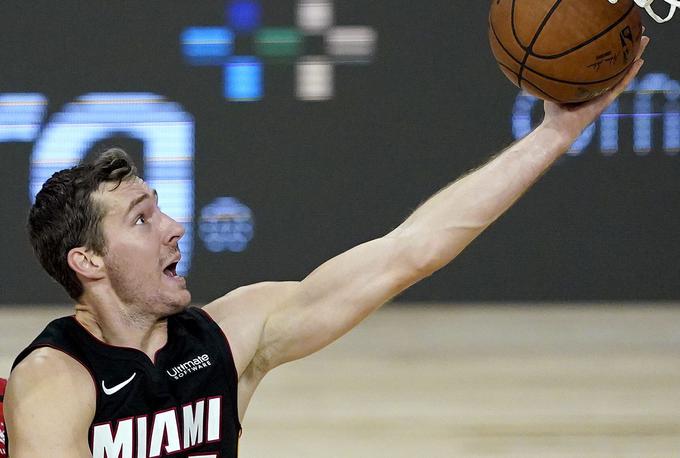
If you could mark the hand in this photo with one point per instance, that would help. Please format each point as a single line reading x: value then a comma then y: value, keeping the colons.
x: 571, y: 119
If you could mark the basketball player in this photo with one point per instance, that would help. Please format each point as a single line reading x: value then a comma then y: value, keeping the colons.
x: 137, y: 373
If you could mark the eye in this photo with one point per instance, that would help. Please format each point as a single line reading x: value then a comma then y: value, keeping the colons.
x: 140, y: 220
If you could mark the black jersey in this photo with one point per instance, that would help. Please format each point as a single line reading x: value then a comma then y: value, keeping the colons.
x: 181, y: 404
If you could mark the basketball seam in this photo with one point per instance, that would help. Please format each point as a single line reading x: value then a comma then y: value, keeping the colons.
x: 514, y: 30
x: 545, y: 93
x: 587, y: 42
x: 539, y: 89
x: 580, y: 45
x: 532, y: 84
x: 529, y: 50
x: 581, y: 83
x: 575, y: 83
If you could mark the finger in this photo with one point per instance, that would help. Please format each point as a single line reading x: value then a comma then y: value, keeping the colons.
x: 605, y: 100
x: 623, y: 84
x: 617, y: 90
x: 643, y: 45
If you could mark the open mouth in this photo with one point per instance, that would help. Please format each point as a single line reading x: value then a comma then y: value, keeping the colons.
x: 171, y: 270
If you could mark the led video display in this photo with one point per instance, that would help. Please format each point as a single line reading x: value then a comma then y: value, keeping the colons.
x: 283, y: 133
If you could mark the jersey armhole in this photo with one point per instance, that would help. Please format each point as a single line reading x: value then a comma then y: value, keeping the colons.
x: 32, y: 348
x: 214, y: 324
x: 24, y: 354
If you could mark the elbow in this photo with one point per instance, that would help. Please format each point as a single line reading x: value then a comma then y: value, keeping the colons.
x: 422, y: 257
x: 426, y: 252
x: 429, y: 263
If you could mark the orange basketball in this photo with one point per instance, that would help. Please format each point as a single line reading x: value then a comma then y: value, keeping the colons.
x: 566, y: 51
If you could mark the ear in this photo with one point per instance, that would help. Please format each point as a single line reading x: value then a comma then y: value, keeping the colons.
x: 85, y: 263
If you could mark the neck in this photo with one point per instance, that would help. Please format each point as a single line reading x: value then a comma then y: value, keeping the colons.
x: 117, y: 324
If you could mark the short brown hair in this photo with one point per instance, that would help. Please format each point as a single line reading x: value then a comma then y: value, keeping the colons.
x: 65, y: 215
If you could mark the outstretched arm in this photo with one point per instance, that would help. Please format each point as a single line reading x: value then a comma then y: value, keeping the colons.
x: 296, y: 319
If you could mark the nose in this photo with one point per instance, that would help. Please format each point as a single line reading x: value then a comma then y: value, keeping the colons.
x: 174, y: 231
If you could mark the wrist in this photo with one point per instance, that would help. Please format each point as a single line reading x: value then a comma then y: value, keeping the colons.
x: 560, y: 137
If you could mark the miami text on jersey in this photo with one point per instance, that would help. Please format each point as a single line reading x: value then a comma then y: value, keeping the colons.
x: 161, y: 433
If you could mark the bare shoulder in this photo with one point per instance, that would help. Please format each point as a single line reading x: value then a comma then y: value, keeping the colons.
x: 243, y: 313
x: 49, y: 366
x: 49, y: 404
x: 52, y: 376
x: 251, y: 299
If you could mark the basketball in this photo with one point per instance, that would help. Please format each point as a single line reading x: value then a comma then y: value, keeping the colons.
x: 565, y: 51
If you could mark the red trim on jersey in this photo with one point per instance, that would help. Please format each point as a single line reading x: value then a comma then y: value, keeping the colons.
x: 226, y: 339
x: 155, y: 355
x: 3, y: 451
x: 114, y: 435
x: 75, y: 358
x: 165, y: 439
x: 204, y: 423
x: 147, y: 439
x: 219, y: 420
x: 121, y: 347
x: 233, y: 364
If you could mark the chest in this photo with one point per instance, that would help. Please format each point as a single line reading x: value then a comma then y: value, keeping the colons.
x: 182, y: 401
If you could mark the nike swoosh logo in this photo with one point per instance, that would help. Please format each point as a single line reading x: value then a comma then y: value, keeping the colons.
x: 118, y: 387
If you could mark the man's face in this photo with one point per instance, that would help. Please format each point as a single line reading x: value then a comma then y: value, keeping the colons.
x: 142, y: 249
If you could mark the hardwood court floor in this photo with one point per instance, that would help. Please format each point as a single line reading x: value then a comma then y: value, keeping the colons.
x: 455, y: 381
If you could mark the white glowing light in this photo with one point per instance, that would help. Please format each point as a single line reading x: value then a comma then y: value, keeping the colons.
x: 353, y: 42
x: 315, y: 16
x: 315, y: 78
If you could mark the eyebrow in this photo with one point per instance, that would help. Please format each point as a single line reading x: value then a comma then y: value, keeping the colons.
x: 141, y: 199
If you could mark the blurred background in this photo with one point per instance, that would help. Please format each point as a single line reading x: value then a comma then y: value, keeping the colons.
x: 283, y: 133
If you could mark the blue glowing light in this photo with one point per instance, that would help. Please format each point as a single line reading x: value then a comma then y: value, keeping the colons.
x: 226, y: 225
x: 354, y: 45
x: 21, y: 116
x: 650, y: 85
x: 207, y: 45
x: 609, y: 129
x: 243, y: 79
x: 647, y: 93
x: 165, y: 128
x: 521, y: 114
x: 244, y: 15
x: 582, y: 141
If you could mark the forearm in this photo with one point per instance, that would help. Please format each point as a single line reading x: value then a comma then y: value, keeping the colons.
x: 447, y: 222
x: 344, y: 290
